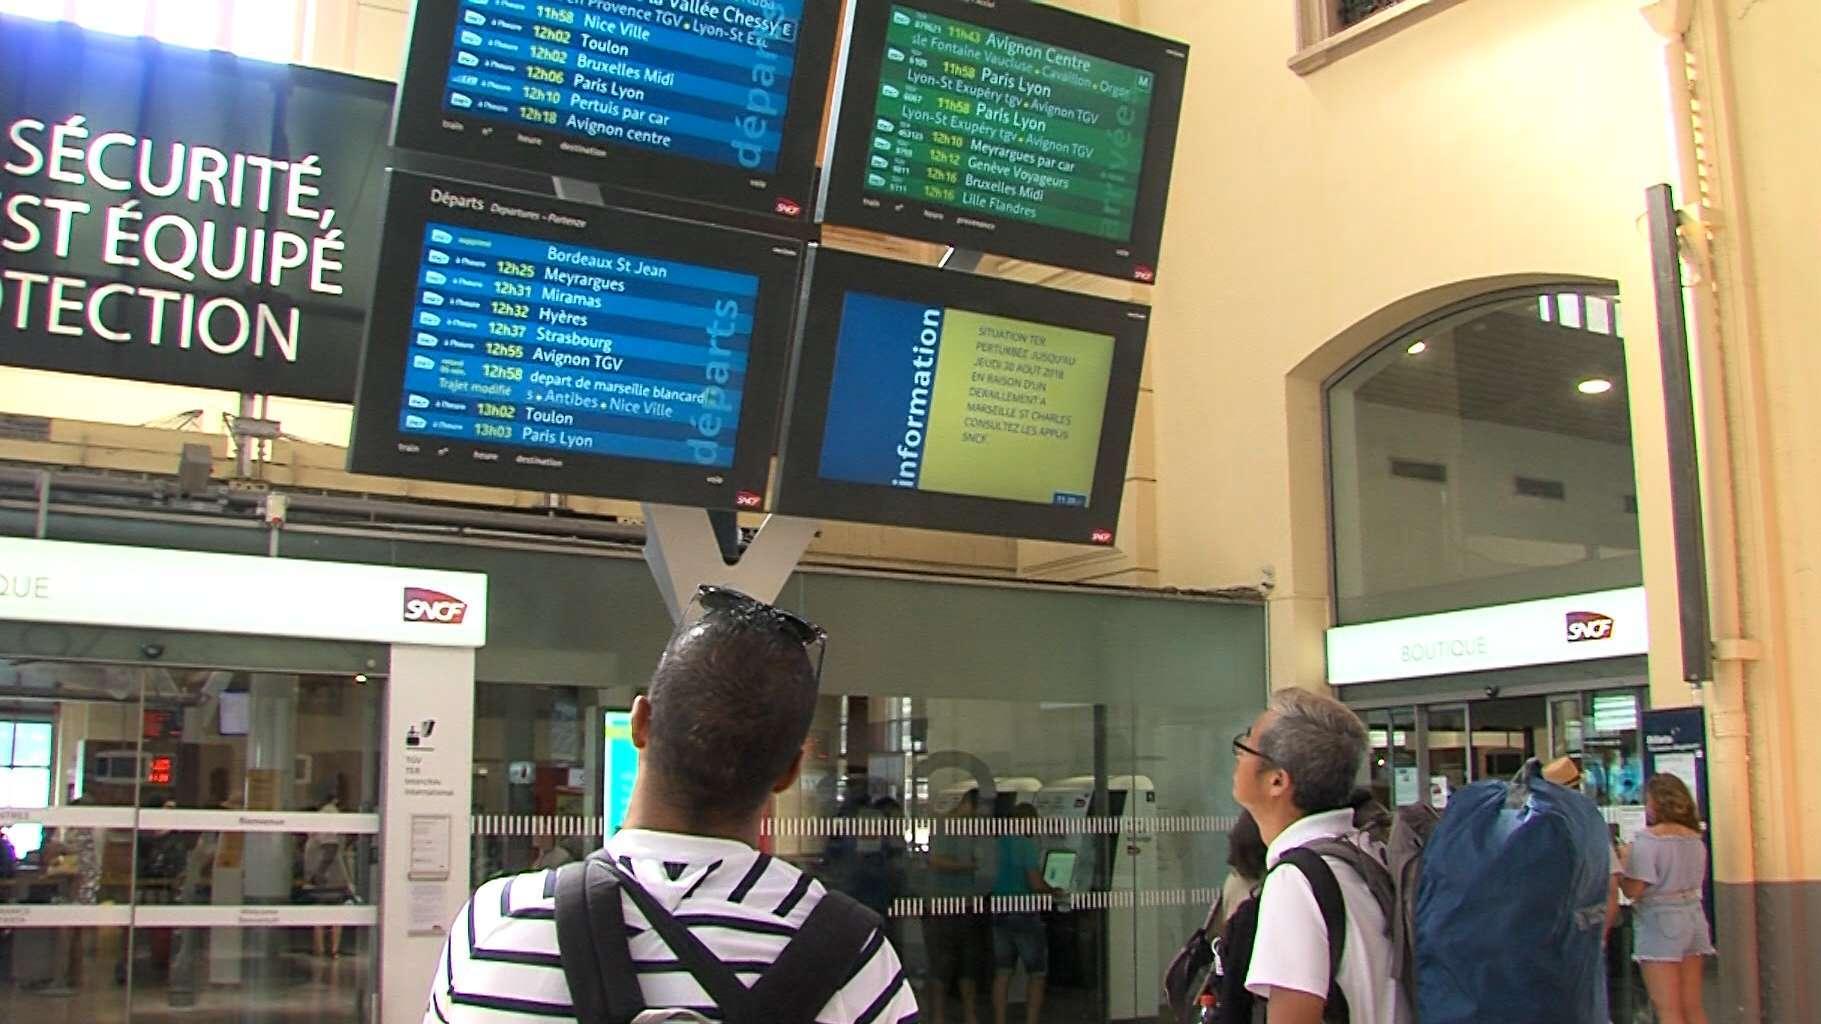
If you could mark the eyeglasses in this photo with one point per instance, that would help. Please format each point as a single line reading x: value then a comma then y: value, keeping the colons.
x: 750, y: 610
x: 1240, y: 746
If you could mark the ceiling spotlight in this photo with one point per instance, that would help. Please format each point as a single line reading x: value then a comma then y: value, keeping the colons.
x: 1417, y: 348
x: 1595, y: 386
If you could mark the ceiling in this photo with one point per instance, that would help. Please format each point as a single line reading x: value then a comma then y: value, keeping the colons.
x: 1512, y: 368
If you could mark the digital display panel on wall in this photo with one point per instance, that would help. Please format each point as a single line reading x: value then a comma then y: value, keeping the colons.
x: 928, y: 398
x: 1007, y: 130
x: 548, y: 346
x: 718, y: 101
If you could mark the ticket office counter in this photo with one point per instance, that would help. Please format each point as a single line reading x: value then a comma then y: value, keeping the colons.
x: 194, y: 822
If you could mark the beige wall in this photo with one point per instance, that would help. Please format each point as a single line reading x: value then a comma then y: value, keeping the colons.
x: 1759, y: 159
x: 1492, y: 144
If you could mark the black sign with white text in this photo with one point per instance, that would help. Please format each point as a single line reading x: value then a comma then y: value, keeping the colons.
x: 185, y: 217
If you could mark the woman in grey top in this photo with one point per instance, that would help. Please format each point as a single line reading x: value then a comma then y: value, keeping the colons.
x: 1664, y: 869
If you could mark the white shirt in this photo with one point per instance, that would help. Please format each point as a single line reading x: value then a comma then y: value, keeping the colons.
x: 1291, y: 949
x: 501, y: 965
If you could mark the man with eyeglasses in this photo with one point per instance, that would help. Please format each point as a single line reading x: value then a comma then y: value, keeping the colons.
x: 1295, y: 770
x: 681, y: 912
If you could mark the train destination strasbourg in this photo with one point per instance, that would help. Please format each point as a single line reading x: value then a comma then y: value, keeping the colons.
x: 533, y: 344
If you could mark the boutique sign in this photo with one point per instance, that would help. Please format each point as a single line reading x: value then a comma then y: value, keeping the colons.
x: 185, y: 217
x: 1582, y: 627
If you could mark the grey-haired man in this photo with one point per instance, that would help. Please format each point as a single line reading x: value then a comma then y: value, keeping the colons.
x: 1295, y: 772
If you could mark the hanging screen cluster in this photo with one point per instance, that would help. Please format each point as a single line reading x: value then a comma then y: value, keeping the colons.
x: 655, y: 350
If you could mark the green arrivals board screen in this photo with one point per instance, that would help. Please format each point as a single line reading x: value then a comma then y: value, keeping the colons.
x: 1010, y: 127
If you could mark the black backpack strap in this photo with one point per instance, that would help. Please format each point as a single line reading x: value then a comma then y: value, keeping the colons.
x: 1333, y: 904
x: 732, y: 997
x: 591, y: 938
x: 819, y: 961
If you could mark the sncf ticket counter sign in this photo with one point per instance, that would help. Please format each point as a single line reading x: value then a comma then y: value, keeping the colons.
x: 185, y: 217
x: 1580, y: 627
x: 151, y: 588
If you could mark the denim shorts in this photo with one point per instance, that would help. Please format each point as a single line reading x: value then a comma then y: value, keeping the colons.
x: 1669, y: 930
x: 1020, y: 938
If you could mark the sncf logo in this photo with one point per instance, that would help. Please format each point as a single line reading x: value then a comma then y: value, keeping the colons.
x: 748, y: 499
x: 433, y: 606
x: 1144, y: 274
x: 1588, y: 626
x: 1101, y: 537
x: 787, y: 207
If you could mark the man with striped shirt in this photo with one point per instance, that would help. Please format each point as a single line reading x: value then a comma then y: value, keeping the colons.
x: 720, y: 732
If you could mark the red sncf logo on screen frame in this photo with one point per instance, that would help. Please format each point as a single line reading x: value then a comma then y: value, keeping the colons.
x: 433, y: 606
x: 748, y: 499
x: 1583, y: 626
x: 1101, y: 537
x: 787, y: 207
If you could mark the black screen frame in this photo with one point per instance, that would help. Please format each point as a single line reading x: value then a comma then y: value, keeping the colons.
x: 828, y: 275
x: 776, y: 261
x: 420, y: 123
x: 842, y: 198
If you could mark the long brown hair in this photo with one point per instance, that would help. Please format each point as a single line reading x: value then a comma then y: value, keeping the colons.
x: 1667, y: 801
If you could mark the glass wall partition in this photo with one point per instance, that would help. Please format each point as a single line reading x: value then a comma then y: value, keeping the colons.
x: 1034, y: 786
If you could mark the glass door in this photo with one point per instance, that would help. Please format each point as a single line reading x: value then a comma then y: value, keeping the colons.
x: 1393, y: 773
x: 206, y: 845
x: 1449, y: 738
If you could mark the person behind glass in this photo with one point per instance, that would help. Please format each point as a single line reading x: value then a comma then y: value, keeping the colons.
x: 1018, y: 934
x: 1294, y: 771
x: 551, y: 853
x: 959, y: 932
x: 327, y: 879
x: 1665, y: 868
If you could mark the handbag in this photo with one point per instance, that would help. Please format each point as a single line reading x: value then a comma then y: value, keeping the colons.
x: 1188, y: 974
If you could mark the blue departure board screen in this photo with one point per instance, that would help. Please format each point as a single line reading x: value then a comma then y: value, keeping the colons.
x: 522, y: 341
x: 627, y: 92
x: 536, y: 343
x: 712, y: 85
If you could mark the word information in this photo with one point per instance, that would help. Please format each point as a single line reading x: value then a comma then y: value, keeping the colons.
x: 703, y: 79
x: 1005, y: 126
x: 942, y: 399
x: 529, y: 343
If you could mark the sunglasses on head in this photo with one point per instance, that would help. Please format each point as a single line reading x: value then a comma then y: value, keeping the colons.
x: 748, y: 609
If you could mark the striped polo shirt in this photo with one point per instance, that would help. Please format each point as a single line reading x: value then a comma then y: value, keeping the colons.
x: 501, y: 966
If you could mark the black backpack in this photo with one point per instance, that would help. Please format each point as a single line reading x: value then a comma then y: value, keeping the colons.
x: 604, y: 986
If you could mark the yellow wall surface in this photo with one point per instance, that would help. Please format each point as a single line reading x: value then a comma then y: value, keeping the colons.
x: 1494, y: 143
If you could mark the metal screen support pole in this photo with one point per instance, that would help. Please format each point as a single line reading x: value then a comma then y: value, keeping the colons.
x: 681, y: 549
x: 681, y: 544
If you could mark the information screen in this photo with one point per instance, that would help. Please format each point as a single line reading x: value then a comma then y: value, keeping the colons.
x: 628, y: 91
x: 541, y: 343
x: 1022, y: 130
x: 1008, y: 126
x: 945, y: 399
x: 930, y: 398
